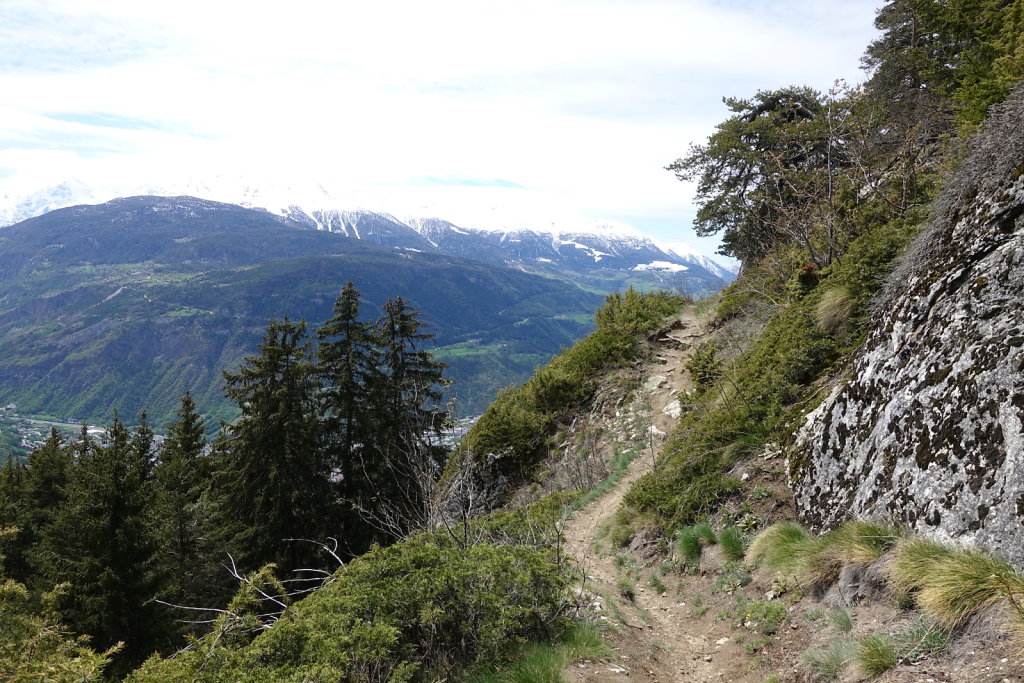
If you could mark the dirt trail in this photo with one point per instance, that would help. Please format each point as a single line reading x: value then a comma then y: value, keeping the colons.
x: 661, y: 641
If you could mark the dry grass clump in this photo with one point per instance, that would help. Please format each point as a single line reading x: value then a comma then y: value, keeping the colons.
x: 779, y: 548
x: 789, y: 551
x: 834, y: 310
x: 965, y: 583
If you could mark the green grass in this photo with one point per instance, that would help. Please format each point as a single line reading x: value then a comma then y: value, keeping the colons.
x: 689, y: 548
x: 829, y: 662
x: 730, y: 540
x: 963, y: 584
x: 544, y: 662
x: 877, y: 654
x: 767, y: 615
x: 923, y: 638
x: 779, y: 548
x: 705, y: 534
x: 789, y: 551
x: 841, y: 619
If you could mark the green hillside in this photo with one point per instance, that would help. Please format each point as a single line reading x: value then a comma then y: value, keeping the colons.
x: 124, y: 306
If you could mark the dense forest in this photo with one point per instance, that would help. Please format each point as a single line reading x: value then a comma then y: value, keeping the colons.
x: 332, y: 484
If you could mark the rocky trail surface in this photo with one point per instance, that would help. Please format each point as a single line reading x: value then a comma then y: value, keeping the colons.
x: 659, y: 637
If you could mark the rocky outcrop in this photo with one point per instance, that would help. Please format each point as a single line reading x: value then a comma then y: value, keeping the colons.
x: 929, y: 429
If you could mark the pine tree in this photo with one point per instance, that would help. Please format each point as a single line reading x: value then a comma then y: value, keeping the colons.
x: 273, y: 479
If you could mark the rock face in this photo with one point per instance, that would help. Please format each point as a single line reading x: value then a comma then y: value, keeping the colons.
x: 928, y: 430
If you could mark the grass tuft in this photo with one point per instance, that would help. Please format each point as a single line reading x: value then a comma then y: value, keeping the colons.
x: 877, y: 654
x: 841, y: 619
x: 828, y: 662
x: 582, y: 640
x: 689, y: 547
x: 730, y: 540
x: 834, y: 310
x: 779, y: 548
x: 963, y: 584
x: 914, y: 562
x: 705, y: 534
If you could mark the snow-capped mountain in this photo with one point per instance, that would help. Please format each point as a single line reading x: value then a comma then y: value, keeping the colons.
x: 599, y: 255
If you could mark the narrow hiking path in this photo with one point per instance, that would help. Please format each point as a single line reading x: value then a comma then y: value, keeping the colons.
x: 659, y: 639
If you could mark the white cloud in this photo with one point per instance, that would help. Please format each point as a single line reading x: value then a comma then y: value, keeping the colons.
x: 581, y: 102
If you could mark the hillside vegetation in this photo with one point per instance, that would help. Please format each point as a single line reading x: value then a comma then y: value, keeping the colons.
x: 819, y: 195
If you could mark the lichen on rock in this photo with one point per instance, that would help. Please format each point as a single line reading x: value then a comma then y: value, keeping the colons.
x: 929, y: 429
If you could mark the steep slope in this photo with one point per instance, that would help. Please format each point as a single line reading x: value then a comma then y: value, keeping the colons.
x: 128, y: 304
x: 929, y: 429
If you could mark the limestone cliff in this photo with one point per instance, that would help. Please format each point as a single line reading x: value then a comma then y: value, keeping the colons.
x: 929, y: 428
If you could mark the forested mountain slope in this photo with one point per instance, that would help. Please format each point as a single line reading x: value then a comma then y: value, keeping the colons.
x: 124, y: 306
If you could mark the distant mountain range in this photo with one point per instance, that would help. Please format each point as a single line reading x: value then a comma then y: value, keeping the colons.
x: 124, y: 305
x: 600, y: 256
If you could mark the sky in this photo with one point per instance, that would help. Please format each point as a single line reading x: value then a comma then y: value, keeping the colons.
x: 471, y: 110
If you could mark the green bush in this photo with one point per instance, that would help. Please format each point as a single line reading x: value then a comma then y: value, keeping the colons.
x: 424, y: 603
x: 517, y: 425
x: 704, y: 368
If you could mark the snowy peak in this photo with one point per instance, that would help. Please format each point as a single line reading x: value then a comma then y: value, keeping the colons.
x: 596, y: 254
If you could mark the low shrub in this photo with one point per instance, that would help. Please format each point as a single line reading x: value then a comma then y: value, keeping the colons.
x: 421, y: 604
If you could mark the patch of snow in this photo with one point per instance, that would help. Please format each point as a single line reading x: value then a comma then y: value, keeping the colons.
x: 662, y: 265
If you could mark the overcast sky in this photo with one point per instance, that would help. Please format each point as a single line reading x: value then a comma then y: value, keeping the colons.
x: 446, y: 106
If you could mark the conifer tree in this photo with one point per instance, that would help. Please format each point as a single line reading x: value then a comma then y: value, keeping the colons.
x: 273, y: 479
x: 347, y: 366
x: 100, y: 543
x: 179, y: 479
x: 403, y: 450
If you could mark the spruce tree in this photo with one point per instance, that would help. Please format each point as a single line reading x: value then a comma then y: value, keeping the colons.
x: 273, y: 479
x: 100, y: 543
x: 347, y: 367
x: 180, y: 478
x: 403, y: 449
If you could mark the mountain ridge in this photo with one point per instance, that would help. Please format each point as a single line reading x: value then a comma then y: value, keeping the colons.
x: 601, y: 255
